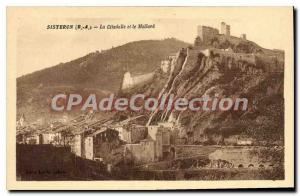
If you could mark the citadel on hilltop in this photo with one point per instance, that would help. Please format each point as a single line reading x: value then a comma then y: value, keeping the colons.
x: 245, y: 54
x: 237, y: 52
x: 209, y: 37
x: 206, y: 34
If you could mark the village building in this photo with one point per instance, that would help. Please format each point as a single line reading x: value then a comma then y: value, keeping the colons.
x: 77, y: 146
x: 125, y: 127
x: 120, y: 129
x: 48, y: 137
x: 57, y: 136
x: 143, y: 152
x: 89, y: 147
x: 21, y: 138
x: 178, y: 136
x: 33, y: 138
x: 63, y: 135
x: 99, y: 143
x: 67, y: 138
x: 133, y: 133
x: 155, y: 147
x: 22, y: 133
x: 155, y: 134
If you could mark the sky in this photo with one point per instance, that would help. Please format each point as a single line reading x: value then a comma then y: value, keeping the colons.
x: 39, y: 47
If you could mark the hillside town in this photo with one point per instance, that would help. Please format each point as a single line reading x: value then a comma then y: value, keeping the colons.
x: 110, y: 141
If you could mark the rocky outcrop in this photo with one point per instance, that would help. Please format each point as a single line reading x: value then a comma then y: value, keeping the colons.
x: 220, y: 75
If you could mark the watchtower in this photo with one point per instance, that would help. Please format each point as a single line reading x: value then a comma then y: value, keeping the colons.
x: 243, y: 36
x: 205, y: 33
x: 225, y: 29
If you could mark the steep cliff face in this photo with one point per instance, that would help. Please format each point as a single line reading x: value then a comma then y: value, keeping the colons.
x: 198, y: 73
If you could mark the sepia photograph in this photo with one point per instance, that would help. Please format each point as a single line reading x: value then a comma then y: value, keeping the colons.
x: 150, y: 97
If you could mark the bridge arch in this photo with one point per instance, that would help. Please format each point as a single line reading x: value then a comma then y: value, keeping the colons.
x: 250, y: 165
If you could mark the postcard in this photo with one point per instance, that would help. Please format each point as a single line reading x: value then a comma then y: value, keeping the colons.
x: 150, y: 98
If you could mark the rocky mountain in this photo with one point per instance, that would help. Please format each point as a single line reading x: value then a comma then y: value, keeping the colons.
x: 98, y: 72
x: 223, y: 67
x: 243, y: 70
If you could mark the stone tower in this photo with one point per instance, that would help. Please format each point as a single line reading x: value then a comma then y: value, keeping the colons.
x: 225, y: 29
x: 205, y: 34
x: 227, y: 33
x: 243, y: 36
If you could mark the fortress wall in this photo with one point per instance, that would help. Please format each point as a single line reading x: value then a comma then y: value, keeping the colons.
x: 127, y: 81
x: 270, y: 63
x: 238, y: 155
x: 142, y: 78
x: 207, y: 33
x: 250, y: 58
x: 130, y: 81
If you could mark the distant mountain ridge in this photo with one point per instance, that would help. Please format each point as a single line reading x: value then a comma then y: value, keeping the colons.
x: 97, y: 68
x: 98, y: 71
